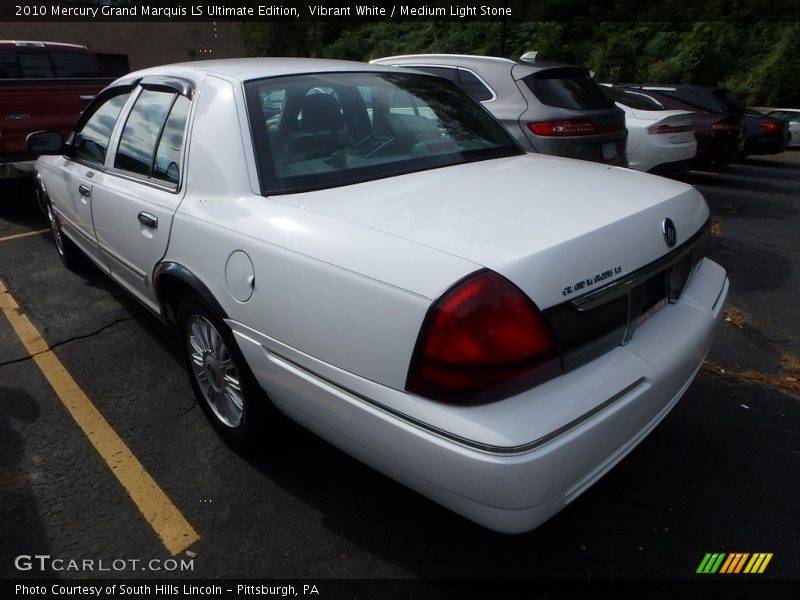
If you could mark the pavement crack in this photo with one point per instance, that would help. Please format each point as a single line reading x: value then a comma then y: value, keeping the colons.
x: 182, y: 413
x: 66, y: 341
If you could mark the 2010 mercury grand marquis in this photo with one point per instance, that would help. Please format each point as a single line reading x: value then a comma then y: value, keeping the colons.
x: 368, y: 246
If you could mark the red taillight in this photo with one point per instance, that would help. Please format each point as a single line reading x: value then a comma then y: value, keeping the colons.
x: 770, y: 126
x: 483, y: 340
x: 568, y: 127
x: 669, y: 128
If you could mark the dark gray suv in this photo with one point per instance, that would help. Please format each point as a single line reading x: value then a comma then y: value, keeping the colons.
x: 549, y: 108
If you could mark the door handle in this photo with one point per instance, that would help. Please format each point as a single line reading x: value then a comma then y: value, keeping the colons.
x: 84, y: 190
x: 86, y: 97
x: 148, y: 220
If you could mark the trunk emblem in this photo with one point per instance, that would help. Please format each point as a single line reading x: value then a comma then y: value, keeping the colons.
x: 669, y: 232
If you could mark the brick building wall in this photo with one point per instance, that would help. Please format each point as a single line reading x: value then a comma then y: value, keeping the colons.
x: 146, y: 44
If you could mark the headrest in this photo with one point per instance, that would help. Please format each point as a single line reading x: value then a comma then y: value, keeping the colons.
x: 320, y: 112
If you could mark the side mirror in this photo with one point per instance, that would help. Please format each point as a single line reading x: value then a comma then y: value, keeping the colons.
x: 45, y: 142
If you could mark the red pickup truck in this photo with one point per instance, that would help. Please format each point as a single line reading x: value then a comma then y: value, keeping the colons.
x: 43, y: 85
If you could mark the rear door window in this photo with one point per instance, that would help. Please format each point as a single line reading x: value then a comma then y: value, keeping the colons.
x: 35, y: 64
x: 152, y: 141
x: 166, y: 166
x: 142, y: 130
x: 9, y: 69
x: 73, y: 64
x: 567, y: 88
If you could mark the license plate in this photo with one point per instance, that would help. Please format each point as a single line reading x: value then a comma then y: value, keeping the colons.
x: 652, y: 310
x: 609, y: 151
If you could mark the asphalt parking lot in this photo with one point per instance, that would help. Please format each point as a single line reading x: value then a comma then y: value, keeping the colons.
x: 718, y: 475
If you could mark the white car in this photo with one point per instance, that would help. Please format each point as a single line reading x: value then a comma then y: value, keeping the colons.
x: 792, y: 117
x: 659, y: 140
x: 371, y: 248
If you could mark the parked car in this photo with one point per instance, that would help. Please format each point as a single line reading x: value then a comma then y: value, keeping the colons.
x: 763, y: 134
x: 720, y: 136
x: 549, y: 108
x: 493, y: 328
x: 43, y: 85
x: 705, y: 97
x: 659, y: 140
x: 792, y: 117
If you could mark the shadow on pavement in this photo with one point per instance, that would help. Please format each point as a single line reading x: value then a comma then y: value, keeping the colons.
x: 17, y: 500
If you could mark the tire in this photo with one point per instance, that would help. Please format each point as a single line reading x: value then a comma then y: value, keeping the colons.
x: 70, y: 255
x: 221, y: 380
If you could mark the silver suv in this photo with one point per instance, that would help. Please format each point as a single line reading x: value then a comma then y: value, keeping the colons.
x: 549, y: 108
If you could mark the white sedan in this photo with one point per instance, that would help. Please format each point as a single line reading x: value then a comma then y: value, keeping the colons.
x: 368, y: 251
x: 659, y: 141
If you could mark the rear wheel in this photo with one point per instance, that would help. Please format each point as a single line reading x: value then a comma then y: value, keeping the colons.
x: 220, y: 378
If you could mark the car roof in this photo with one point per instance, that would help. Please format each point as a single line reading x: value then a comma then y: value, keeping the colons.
x: 245, y: 69
x: 467, y: 60
x: 39, y: 44
x: 676, y: 86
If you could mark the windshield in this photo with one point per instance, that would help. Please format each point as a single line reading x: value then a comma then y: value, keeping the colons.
x: 333, y: 129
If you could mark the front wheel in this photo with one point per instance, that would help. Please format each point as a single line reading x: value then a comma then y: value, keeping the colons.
x: 220, y: 378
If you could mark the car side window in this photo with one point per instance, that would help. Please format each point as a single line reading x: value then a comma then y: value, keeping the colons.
x: 73, y: 64
x: 470, y: 83
x: 9, y: 69
x: 90, y: 142
x: 168, y: 154
x: 137, y: 145
x: 35, y: 64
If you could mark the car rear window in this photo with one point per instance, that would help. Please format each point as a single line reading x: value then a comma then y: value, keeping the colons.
x: 567, y: 88
x: 706, y: 99
x: 333, y: 129
x: 634, y: 100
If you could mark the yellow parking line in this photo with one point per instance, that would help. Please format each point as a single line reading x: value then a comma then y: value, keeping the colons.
x: 166, y: 520
x: 16, y: 236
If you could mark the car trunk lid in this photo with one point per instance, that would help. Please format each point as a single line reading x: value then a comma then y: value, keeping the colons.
x: 555, y: 227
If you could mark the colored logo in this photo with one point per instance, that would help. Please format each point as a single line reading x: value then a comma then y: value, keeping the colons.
x: 736, y: 562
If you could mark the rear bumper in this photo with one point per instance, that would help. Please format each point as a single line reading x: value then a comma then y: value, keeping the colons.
x: 660, y: 152
x: 610, y: 150
x: 764, y: 146
x: 514, y: 487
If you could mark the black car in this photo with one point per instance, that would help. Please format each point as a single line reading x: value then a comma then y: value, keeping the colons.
x: 763, y: 134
